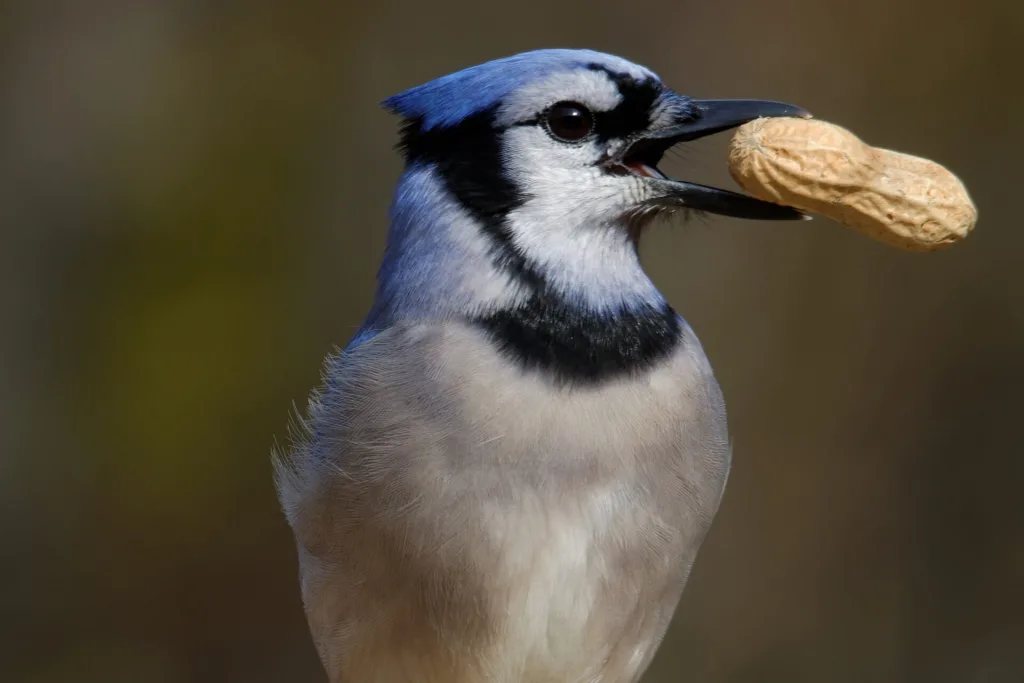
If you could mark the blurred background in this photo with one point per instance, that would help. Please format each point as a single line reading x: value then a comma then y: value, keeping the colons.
x: 192, y: 207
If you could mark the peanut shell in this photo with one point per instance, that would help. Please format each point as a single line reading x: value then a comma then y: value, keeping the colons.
x: 901, y: 200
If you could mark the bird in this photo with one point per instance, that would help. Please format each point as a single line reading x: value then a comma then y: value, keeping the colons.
x: 507, y: 473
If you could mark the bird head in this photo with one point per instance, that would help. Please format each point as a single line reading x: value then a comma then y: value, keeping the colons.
x: 577, y: 132
x: 553, y: 156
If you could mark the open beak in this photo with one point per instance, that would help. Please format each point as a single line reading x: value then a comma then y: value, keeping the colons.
x: 706, y: 117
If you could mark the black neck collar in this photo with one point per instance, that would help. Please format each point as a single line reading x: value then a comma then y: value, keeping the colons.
x: 579, y: 347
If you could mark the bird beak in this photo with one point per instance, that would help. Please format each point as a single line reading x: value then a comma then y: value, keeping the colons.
x: 703, y: 118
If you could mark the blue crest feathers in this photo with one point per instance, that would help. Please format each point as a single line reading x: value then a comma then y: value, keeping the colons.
x: 448, y: 100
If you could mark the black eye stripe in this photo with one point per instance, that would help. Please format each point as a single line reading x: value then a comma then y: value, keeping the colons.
x: 468, y: 159
x: 633, y: 114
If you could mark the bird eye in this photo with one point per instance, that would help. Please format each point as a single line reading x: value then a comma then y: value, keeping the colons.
x: 569, y: 122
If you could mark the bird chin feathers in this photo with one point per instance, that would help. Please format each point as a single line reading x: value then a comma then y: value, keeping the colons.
x: 640, y: 218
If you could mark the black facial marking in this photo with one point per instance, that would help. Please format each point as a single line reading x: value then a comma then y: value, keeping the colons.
x: 468, y: 158
x: 576, y: 347
x: 634, y: 111
x: 569, y: 344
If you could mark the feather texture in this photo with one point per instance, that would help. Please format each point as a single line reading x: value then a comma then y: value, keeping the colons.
x: 507, y: 474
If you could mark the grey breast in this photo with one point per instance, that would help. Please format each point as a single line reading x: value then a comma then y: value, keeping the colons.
x: 439, y: 489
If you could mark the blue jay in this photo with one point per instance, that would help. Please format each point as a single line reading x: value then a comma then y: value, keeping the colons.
x: 506, y: 475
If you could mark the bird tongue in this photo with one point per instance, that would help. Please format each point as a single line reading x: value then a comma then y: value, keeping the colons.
x: 644, y: 170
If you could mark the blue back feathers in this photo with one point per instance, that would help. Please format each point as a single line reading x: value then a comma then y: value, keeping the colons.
x: 446, y: 101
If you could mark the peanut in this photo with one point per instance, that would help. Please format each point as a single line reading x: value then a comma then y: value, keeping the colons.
x: 901, y: 200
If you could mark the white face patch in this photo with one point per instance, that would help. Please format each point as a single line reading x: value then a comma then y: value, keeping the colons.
x: 571, y: 224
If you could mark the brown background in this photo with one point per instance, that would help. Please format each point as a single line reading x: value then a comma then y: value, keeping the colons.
x: 192, y: 206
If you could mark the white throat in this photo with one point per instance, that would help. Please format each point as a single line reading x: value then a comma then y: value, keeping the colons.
x: 594, y: 265
x: 571, y: 226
